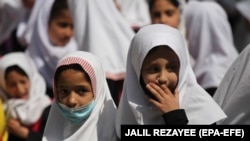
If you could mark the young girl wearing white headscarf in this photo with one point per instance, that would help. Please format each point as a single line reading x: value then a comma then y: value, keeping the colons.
x: 89, y: 122
x: 135, y: 108
x: 27, y: 108
x: 48, y: 47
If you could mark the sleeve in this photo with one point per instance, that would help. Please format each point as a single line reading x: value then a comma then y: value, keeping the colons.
x: 176, y: 117
x: 34, y: 136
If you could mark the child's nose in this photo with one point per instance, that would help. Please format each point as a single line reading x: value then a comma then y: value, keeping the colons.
x: 69, y: 32
x: 163, y: 78
x: 20, y: 89
x: 72, y: 102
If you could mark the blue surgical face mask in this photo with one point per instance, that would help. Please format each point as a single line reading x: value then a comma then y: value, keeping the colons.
x: 76, y: 115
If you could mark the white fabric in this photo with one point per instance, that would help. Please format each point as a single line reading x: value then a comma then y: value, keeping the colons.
x: 136, y: 12
x: 26, y: 26
x: 44, y: 54
x: 27, y: 111
x: 233, y: 94
x: 11, y: 12
x: 100, y: 124
x: 134, y: 108
x: 243, y: 7
x: 101, y: 30
x: 210, y: 41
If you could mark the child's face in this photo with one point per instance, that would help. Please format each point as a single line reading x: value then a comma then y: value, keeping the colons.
x: 161, y: 66
x: 74, y: 89
x: 17, y: 85
x: 61, y: 28
x: 164, y: 12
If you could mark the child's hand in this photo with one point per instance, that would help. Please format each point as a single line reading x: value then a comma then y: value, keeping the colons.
x: 17, y: 129
x: 166, y: 100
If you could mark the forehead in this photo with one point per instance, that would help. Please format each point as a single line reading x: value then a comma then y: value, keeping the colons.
x: 163, y: 4
x: 161, y: 52
x: 63, y: 15
x: 72, y: 78
x: 14, y: 74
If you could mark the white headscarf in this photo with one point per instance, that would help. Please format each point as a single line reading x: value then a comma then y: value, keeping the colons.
x: 134, y: 107
x: 44, y: 54
x: 243, y: 7
x: 26, y: 27
x: 101, y: 30
x: 100, y: 124
x: 210, y: 41
x: 233, y: 94
x: 11, y: 12
x: 136, y: 12
x: 27, y: 111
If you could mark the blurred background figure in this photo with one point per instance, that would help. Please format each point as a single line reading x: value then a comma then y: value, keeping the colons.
x: 11, y: 12
x: 26, y: 26
x: 27, y: 106
x: 169, y: 12
x: 210, y: 42
x: 237, y: 21
x: 52, y: 38
x: 135, y: 13
x: 243, y: 7
x: 102, y: 30
x: 233, y: 93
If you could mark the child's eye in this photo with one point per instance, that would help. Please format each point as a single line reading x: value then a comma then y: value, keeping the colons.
x: 153, y: 69
x: 63, y: 92
x: 63, y: 24
x: 81, y: 91
x: 172, y: 67
x: 169, y: 13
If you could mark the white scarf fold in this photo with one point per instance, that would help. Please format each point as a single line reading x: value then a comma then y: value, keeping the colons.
x: 210, y: 41
x: 26, y: 26
x: 101, y: 30
x: 136, y: 12
x: 243, y: 7
x: 11, y: 12
x: 233, y: 93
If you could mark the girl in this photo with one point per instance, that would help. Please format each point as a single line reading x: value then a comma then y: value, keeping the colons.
x: 168, y: 12
x: 27, y: 104
x: 160, y: 87
x: 165, y: 12
x: 83, y: 108
x: 52, y: 38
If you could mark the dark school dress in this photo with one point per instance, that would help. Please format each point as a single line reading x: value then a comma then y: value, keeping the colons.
x: 36, y: 130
